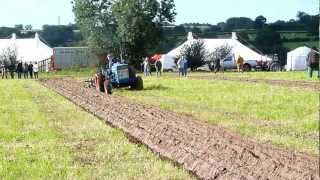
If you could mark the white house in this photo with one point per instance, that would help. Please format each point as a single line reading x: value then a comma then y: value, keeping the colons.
x: 28, y: 50
x: 237, y: 49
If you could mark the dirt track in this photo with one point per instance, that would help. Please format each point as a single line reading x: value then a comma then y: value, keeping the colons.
x: 210, y: 152
x: 313, y: 86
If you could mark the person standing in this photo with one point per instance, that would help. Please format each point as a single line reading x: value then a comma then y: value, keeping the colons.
x: 4, y: 72
x: 240, y: 62
x: 12, y: 69
x: 30, y: 69
x: 180, y: 64
x: 216, y: 65
x: 36, y: 70
x: 313, y: 62
x: 146, y: 67
x: 19, y: 69
x: 185, y: 66
x: 25, y: 70
x: 158, y: 67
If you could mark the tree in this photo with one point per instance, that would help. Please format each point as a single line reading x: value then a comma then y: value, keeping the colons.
x: 127, y: 28
x: 18, y: 27
x: 96, y: 24
x: 5, y: 32
x: 28, y: 27
x: 266, y: 39
x: 167, y: 12
x: 9, y: 56
x: 57, y: 35
x: 260, y: 22
x: 239, y: 23
x: 219, y: 53
x: 195, y: 53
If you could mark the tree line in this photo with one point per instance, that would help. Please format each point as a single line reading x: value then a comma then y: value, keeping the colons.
x: 133, y: 29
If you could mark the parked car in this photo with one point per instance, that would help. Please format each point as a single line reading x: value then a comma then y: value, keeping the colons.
x: 230, y: 63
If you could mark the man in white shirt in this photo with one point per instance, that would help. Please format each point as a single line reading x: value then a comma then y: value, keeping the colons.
x: 35, y: 70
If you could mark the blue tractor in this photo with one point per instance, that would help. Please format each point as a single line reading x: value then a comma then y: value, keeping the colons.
x: 119, y: 75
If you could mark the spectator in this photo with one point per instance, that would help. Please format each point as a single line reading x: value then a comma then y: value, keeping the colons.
x: 25, y: 70
x: 146, y: 67
x: 158, y: 67
x: 3, y: 70
x: 19, y: 70
x: 30, y: 69
x: 12, y: 69
x: 36, y: 70
x: 313, y: 62
x: 240, y: 62
x: 185, y: 67
x: 180, y: 64
x: 217, y: 65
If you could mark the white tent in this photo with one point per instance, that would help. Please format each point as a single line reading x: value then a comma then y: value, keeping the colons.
x: 297, y: 59
x: 27, y: 50
x: 237, y: 49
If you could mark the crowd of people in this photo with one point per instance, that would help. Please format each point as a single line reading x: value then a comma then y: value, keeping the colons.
x: 27, y: 70
x: 147, y: 67
x: 182, y: 65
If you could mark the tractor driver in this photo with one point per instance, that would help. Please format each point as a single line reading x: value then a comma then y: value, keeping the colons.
x: 109, y: 61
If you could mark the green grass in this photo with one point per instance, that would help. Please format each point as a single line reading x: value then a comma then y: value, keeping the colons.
x: 282, y: 116
x: 294, y: 75
x: 89, y: 73
x: 74, y: 72
x: 44, y: 136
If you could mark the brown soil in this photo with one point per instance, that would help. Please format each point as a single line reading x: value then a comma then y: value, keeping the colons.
x: 208, y: 151
x: 313, y: 86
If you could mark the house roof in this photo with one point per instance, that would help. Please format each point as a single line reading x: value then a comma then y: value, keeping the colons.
x: 32, y: 49
x: 237, y: 48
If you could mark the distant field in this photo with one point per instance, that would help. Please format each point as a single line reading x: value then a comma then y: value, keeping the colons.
x: 297, y: 75
x: 44, y: 136
x: 283, y: 116
x: 293, y: 45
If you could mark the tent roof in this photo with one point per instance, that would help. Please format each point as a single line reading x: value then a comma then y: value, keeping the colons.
x: 211, y: 44
x: 32, y: 49
x: 300, y: 51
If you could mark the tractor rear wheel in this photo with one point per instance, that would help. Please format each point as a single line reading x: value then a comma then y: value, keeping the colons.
x: 139, y: 83
x: 246, y: 67
x: 275, y: 67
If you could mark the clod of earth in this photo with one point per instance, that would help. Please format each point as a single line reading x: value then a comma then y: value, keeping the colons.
x: 208, y: 151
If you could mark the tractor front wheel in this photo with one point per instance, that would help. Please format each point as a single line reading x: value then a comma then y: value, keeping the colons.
x: 139, y: 83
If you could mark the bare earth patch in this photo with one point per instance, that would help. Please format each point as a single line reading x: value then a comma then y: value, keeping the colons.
x: 208, y: 151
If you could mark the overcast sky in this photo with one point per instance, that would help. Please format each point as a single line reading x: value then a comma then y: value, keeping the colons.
x: 40, y: 12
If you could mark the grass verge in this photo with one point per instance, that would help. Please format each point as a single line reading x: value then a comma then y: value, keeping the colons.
x: 44, y: 136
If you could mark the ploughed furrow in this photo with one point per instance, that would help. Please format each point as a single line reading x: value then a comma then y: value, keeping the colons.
x: 208, y: 151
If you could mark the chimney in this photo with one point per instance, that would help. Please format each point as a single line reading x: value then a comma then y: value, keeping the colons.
x: 37, y: 39
x: 234, y: 36
x: 14, y: 36
x: 190, y: 36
